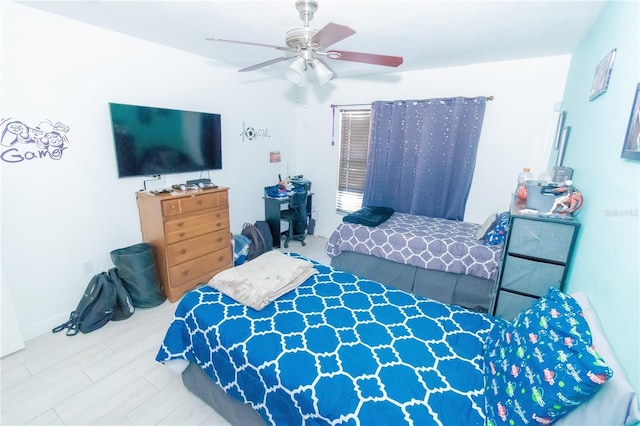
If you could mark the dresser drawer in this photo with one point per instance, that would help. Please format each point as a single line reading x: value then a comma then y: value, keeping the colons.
x: 529, y: 276
x: 202, y: 202
x: 202, y: 268
x: 194, y: 203
x: 540, y: 239
x: 185, y: 228
x: 171, y: 207
x: 195, y: 247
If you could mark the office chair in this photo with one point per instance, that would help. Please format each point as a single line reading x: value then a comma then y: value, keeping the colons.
x: 296, y: 215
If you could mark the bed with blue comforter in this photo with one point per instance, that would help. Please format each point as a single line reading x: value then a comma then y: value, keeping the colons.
x: 338, y: 349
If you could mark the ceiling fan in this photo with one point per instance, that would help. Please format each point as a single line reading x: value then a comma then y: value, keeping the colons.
x: 306, y: 46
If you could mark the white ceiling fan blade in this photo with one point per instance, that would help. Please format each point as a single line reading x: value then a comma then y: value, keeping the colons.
x: 267, y: 63
x: 252, y: 44
x: 330, y: 34
x: 367, y: 58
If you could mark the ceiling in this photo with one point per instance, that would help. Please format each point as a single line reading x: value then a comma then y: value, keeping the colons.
x: 427, y: 33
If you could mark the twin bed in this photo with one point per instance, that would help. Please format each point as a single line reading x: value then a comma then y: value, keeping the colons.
x: 437, y: 258
x: 341, y: 349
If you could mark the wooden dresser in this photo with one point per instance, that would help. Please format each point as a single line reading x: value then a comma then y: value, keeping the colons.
x: 191, y: 236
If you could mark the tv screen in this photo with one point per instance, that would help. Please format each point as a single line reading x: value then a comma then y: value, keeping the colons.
x: 155, y: 141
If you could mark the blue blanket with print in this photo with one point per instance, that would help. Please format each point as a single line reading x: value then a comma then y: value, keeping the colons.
x: 338, y: 349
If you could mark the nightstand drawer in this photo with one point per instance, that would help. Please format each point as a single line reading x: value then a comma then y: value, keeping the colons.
x: 510, y: 305
x: 531, y: 277
x: 540, y: 239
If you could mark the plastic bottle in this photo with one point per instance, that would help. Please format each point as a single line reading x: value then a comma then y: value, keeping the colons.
x: 523, y: 177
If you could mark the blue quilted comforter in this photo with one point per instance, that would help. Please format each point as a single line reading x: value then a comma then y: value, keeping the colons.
x: 339, y: 350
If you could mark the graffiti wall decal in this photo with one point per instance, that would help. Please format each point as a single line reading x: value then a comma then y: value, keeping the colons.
x: 250, y: 134
x: 20, y: 142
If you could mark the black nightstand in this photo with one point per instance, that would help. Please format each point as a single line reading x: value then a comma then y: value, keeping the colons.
x: 536, y: 256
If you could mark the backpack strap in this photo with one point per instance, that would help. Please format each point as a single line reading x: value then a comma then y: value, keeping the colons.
x: 71, y: 326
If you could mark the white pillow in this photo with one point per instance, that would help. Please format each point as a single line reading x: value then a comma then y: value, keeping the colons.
x: 486, y: 226
x: 616, y: 403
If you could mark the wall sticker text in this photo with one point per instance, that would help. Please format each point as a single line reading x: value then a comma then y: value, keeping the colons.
x: 21, y: 142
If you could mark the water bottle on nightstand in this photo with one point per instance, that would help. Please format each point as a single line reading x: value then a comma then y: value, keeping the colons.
x: 523, y: 177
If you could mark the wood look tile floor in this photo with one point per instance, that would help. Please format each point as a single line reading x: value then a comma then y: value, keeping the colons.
x: 109, y: 376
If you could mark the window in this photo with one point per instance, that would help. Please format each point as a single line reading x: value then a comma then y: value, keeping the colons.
x: 354, y: 144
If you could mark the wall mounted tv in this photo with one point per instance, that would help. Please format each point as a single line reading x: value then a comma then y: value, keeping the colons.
x: 155, y: 141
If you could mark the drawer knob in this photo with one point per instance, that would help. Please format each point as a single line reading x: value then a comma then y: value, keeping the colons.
x: 199, y: 202
x: 181, y: 234
x: 180, y: 224
x: 218, y: 224
x: 219, y: 239
x: 220, y: 258
x: 183, y: 251
x: 185, y: 273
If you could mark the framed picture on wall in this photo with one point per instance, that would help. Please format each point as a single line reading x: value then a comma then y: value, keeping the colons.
x: 559, y: 127
x: 631, y: 147
x: 562, y: 145
x: 602, y: 75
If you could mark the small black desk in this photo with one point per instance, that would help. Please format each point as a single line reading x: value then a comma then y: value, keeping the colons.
x: 272, y: 207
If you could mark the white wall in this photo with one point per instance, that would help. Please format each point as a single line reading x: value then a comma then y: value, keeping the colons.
x: 58, y: 214
x: 518, y: 128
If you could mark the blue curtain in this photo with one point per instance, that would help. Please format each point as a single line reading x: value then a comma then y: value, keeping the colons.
x: 422, y: 155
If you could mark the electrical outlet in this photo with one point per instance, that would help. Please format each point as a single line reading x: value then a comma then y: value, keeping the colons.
x: 87, y: 267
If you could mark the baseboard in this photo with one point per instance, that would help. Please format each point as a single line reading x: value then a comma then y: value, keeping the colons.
x: 44, y: 327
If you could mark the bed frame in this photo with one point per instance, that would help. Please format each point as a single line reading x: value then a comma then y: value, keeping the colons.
x: 468, y: 291
x: 203, y: 386
x: 615, y: 403
x: 432, y: 257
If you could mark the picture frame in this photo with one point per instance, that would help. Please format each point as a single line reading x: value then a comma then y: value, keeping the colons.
x: 559, y: 127
x: 562, y: 145
x: 631, y: 146
x: 274, y: 157
x: 602, y: 75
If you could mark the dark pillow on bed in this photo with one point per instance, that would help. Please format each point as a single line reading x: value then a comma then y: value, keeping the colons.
x: 369, y: 216
x: 541, y: 365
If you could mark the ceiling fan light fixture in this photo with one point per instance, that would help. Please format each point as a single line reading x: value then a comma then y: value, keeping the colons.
x: 295, y: 72
x: 323, y: 74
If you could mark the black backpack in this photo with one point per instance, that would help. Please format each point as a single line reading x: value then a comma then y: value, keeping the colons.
x: 123, y: 307
x: 260, y: 235
x: 104, y: 299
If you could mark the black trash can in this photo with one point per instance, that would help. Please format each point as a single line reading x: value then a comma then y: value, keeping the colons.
x: 136, y: 265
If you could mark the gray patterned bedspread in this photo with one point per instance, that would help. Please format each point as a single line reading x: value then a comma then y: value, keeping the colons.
x: 426, y: 242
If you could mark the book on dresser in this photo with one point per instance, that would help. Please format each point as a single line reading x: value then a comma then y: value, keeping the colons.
x: 191, y: 236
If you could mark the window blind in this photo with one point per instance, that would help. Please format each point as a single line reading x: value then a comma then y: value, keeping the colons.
x: 354, y: 144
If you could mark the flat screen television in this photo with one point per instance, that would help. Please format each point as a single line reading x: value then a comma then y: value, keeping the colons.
x: 155, y: 141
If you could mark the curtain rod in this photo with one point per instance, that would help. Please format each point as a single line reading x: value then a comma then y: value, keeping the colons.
x: 489, y: 98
